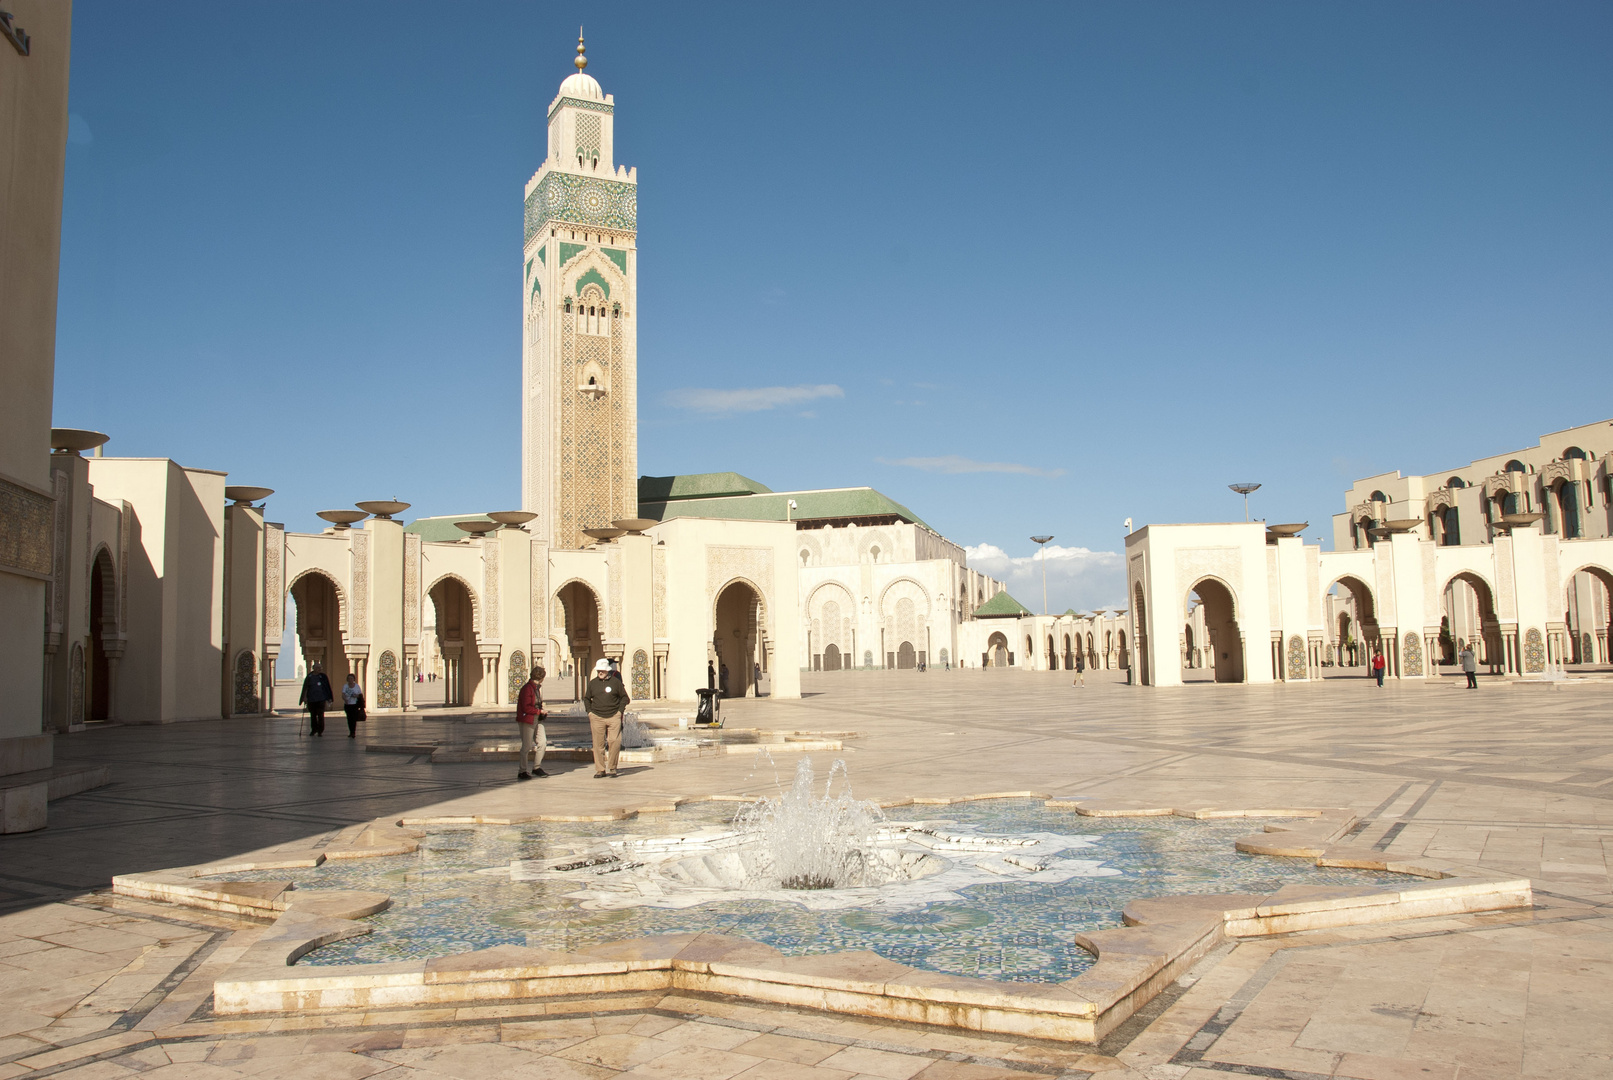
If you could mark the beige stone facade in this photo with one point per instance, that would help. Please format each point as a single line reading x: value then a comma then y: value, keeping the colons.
x: 1512, y: 555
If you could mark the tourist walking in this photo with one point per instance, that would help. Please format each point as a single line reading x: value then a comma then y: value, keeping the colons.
x: 316, y: 694
x: 606, y: 701
x: 1470, y: 667
x: 722, y: 679
x: 1080, y: 669
x: 1378, y: 665
x: 529, y: 713
x: 353, y: 704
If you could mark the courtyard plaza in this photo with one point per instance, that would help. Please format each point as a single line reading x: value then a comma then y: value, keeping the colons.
x: 1512, y: 778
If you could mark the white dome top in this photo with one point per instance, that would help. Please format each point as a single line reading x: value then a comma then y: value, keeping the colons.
x: 582, y: 85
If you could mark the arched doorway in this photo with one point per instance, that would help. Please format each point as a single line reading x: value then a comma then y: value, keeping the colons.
x: 1469, y: 606
x: 996, y: 650
x: 1143, y: 674
x: 1052, y: 654
x: 1221, y: 625
x: 1069, y: 656
x: 907, y: 657
x: 737, y: 639
x: 580, y: 613
x: 457, y: 642
x: 1586, y: 610
x: 103, y: 623
x: 831, y: 658
x: 321, y: 625
x: 1352, y: 613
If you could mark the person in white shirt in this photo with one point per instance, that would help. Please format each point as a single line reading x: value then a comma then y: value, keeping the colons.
x: 353, y: 704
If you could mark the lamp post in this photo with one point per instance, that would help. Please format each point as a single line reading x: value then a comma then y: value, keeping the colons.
x: 1042, y: 542
x: 1244, y: 490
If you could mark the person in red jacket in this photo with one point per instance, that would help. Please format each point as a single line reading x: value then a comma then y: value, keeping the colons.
x: 1378, y: 664
x: 529, y: 712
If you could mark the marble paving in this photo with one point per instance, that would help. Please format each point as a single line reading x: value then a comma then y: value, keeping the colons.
x: 1518, y: 780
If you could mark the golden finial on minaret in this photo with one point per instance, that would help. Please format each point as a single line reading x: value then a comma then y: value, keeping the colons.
x: 582, y: 60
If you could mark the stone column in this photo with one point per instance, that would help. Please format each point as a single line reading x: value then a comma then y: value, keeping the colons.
x: 113, y: 645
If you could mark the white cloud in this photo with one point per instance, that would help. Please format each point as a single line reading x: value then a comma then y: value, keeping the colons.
x: 754, y: 399
x: 1077, y: 577
x: 952, y: 463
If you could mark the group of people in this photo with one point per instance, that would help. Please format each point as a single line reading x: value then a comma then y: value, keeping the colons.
x: 1468, y: 661
x: 316, y: 695
x: 606, y: 700
x: 604, y: 697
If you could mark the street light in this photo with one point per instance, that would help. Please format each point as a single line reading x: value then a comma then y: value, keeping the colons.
x: 1244, y: 490
x: 1042, y: 540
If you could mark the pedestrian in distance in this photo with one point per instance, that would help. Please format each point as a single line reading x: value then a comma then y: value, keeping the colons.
x: 722, y: 679
x: 1378, y: 665
x: 1080, y: 670
x: 353, y: 704
x: 316, y: 694
x: 711, y: 676
x: 606, y: 701
x: 1470, y: 667
x: 530, y: 714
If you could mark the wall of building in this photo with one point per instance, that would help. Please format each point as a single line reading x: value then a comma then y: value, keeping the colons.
x: 33, y: 145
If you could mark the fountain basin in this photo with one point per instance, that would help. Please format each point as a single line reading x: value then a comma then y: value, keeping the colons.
x: 1154, y: 940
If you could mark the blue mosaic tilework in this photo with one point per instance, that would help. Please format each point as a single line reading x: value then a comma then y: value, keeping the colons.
x: 1014, y: 930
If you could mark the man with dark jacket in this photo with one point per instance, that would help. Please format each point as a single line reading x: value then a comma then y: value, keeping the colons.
x: 606, y: 700
x: 316, y: 694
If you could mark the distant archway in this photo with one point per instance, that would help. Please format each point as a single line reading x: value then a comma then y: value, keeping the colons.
x: 1588, y: 595
x: 1468, y: 603
x: 583, y: 617
x: 1221, y: 626
x: 1356, y: 622
x: 906, y: 656
x: 1052, y: 654
x: 321, y: 624
x: 996, y: 650
x: 737, y: 638
x: 103, y: 623
x: 831, y: 658
x: 457, y: 640
x: 1140, y: 620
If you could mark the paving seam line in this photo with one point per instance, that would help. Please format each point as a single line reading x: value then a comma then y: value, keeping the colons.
x: 1406, y: 818
x: 1193, y: 1051
x: 132, y: 1017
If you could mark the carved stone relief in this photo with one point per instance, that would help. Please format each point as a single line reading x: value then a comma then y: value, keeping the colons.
x: 492, y: 626
x: 359, y: 615
x: 411, y: 588
x: 274, y: 590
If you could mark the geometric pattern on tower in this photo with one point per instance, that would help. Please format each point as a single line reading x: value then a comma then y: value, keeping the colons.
x: 582, y: 200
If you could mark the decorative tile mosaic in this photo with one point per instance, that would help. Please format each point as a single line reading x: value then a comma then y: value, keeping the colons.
x: 1412, y: 654
x: 1016, y: 930
x: 246, y: 682
x: 582, y: 200
x: 517, y: 675
x: 1534, y: 652
x: 1297, y: 666
x: 386, y: 681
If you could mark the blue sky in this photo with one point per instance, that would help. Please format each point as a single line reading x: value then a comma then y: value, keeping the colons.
x: 1027, y: 268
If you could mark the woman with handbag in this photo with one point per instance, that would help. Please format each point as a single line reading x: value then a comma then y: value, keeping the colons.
x: 353, y: 704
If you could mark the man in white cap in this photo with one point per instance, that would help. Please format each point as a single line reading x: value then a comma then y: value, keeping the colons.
x: 606, y: 700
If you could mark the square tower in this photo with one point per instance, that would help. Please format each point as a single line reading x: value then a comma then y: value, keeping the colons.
x: 579, y: 292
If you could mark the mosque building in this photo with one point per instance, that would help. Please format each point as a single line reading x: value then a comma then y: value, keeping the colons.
x: 152, y: 592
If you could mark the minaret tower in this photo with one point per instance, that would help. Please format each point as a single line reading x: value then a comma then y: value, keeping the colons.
x: 579, y: 296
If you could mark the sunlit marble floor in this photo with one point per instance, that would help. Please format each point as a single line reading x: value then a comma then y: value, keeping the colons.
x: 1515, y: 779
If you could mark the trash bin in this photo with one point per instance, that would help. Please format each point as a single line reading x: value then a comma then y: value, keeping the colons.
x: 709, y: 709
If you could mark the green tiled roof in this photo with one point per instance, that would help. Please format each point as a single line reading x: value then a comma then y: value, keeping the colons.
x: 1000, y: 606
x: 434, y: 529
x: 709, y: 485
x: 831, y: 503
